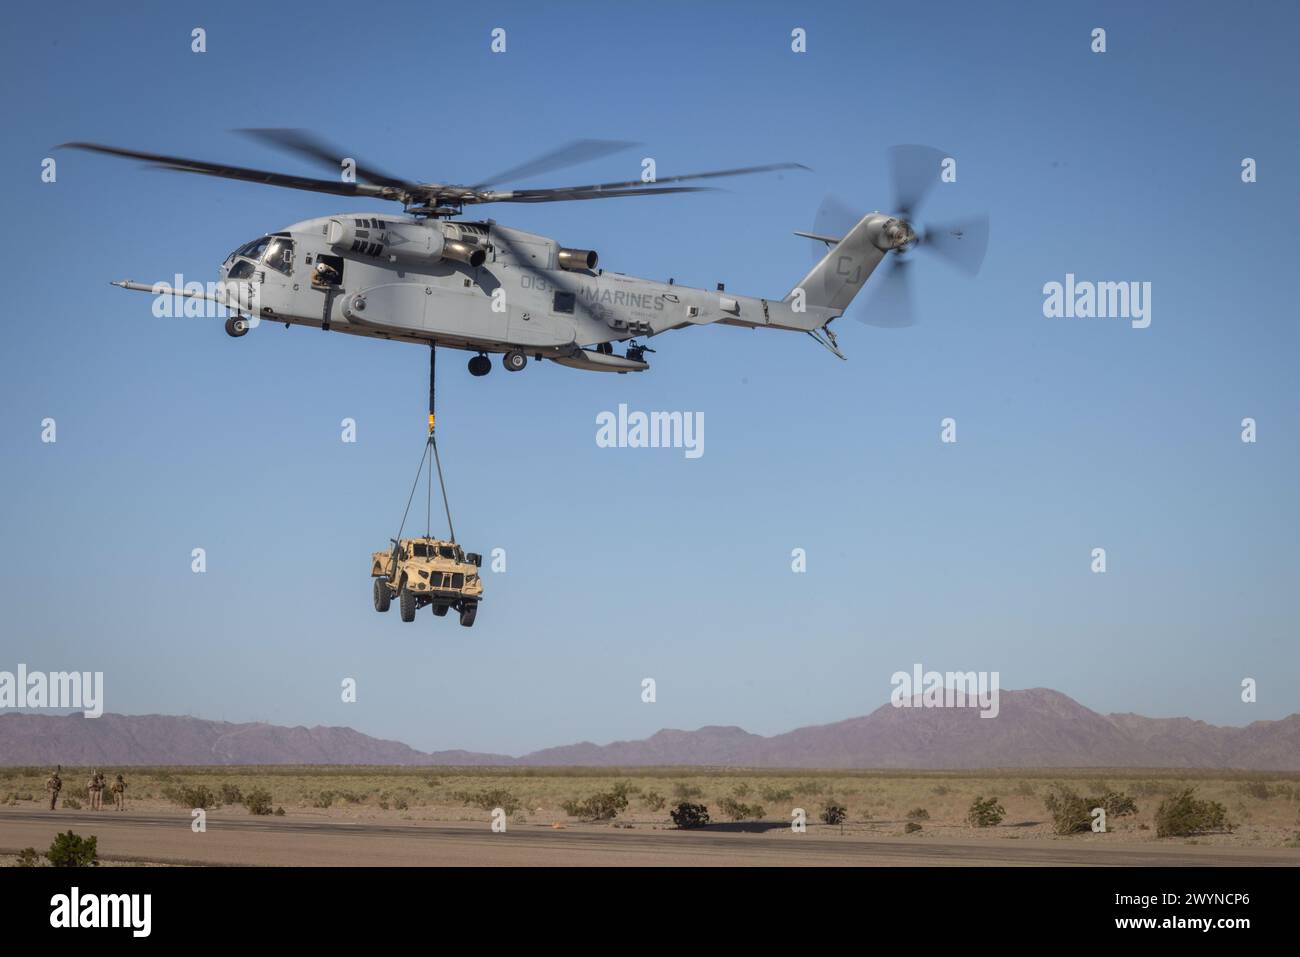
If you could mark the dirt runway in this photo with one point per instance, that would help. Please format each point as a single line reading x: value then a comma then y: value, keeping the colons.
x: 241, y: 840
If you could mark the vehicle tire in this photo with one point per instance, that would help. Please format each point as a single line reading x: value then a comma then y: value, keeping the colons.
x: 467, y: 613
x: 514, y: 361
x: 383, y: 597
x: 480, y: 366
x: 440, y: 610
x: 406, y: 604
x: 236, y: 326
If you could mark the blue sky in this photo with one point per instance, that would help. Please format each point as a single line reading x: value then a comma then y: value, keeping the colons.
x: 625, y: 564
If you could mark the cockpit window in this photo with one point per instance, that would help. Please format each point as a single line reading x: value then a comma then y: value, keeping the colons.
x: 240, y: 270
x: 279, y: 255
x: 252, y: 249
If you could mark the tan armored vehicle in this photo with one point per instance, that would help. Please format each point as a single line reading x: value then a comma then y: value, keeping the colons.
x: 427, y: 571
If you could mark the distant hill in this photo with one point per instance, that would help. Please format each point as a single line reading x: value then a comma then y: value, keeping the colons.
x: 1037, y: 728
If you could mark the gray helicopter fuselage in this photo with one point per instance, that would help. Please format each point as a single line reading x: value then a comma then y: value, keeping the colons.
x: 480, y: 287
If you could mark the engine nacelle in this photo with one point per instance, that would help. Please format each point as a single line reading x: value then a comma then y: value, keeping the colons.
x: 577, y: 260
x: 414, y: 243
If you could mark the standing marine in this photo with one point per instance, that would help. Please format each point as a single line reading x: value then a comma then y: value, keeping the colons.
x: 54, y: 784
x: 119, y: 793
x: 95, y: 788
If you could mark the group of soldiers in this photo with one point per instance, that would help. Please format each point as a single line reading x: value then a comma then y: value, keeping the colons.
x: 94, y: 787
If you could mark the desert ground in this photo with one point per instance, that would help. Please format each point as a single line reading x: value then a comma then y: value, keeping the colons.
x: 443, y: 815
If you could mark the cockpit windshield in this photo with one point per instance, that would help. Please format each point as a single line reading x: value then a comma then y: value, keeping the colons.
x: 273, y: 251
x: 279, y: 255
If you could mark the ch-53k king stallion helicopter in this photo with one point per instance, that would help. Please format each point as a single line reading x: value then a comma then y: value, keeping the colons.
x: 427, y: 277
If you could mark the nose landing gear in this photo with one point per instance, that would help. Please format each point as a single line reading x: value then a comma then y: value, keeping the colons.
x: 237, y: 326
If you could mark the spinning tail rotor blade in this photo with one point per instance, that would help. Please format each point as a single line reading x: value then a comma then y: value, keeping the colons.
x: 835, y: 218
x: 890, y: 306
x: 962, y: 244
x: 913, y: 171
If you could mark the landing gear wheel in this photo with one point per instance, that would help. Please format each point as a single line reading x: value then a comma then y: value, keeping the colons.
x: 406, y: 604
x: 514, y: 361
x: 480, y: 365
x: 383, y: 597
x: 467, y: 613
x: 236, y: 326
x: 440, y: 610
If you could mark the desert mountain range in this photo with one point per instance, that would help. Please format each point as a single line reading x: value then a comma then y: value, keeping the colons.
x: 1036, y: 728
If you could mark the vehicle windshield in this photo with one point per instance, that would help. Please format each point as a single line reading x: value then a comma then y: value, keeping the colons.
x: 428, y: 550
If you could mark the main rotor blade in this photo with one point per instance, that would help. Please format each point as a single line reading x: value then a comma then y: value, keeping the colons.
x: 562, y: 157
x: 564, y: 195
x: 307, y: 144
x: 962, y: 245
x: 913, y: 171
x: 226, y: 171
x: 890, y: 306
x: 637, y: 187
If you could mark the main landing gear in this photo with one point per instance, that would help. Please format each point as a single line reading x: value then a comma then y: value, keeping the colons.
x: 512, y: 361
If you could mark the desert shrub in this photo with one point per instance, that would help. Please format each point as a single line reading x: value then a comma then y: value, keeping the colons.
x: 687, y: 815
x: 939, y: 790
x: 834, y: 814
x: 1072, y: 813
x: 279, y: 812
x: 78, y: 791
x: 73, y: 850
x: 258, y: 801
x: 1183, y: 814
x: 741, y: 790
x: 654, y: 800
x: 1117, y: 804
x: 684, y: 791
x: 71, y: 803
x: 490, y: 799
x: 776, y: 795
x: 190, y: 796
x: 808, y: 787
x: 599, y: 807
x: 323, y: 800
x: 1262, y: 790
x: 985, y: 812
x: 400, y: 804
x: 1152, y: 788
x: 918, y: 814
x: 29, y: 857
x: 1025, y: 789
x: 911, y: 827
x: 231, y: 794
x: 738, y: 811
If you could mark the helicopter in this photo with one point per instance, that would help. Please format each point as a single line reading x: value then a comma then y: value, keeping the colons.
x: 428, y: 276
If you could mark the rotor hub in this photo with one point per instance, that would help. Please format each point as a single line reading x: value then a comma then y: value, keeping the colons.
x: 898, y: 235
